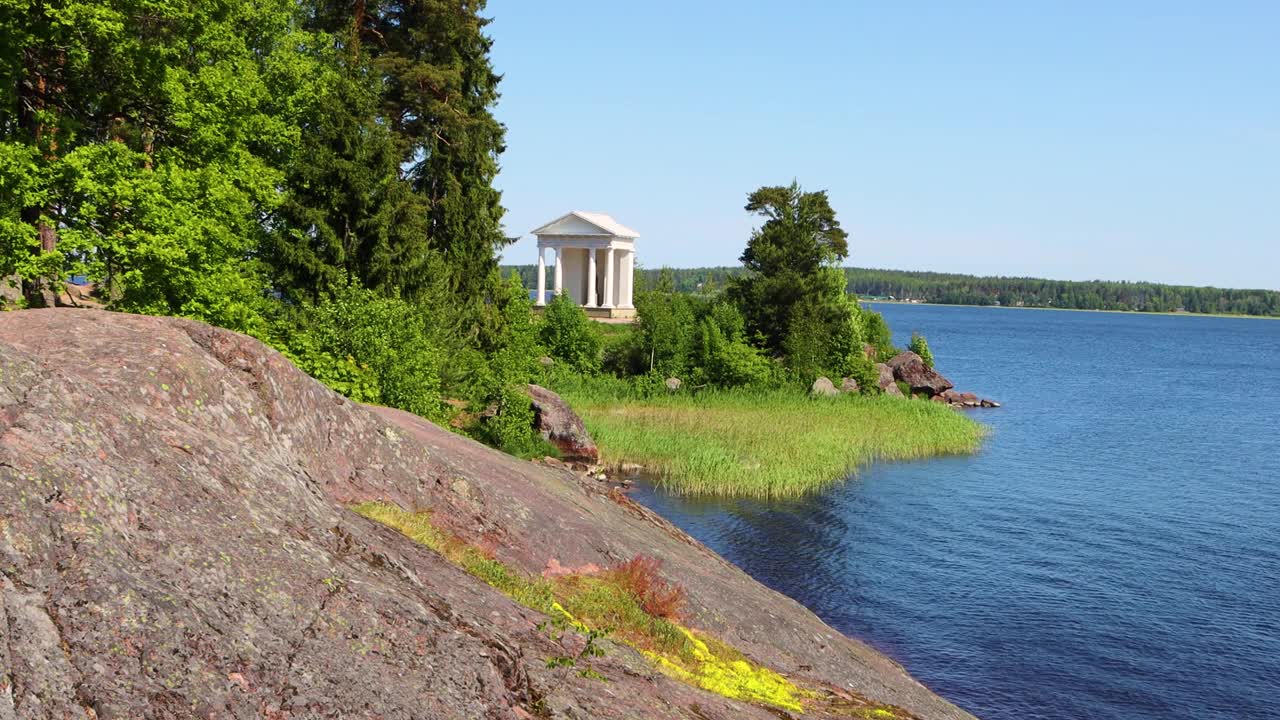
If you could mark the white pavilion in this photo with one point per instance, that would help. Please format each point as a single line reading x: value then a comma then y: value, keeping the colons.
x: 594, y: 256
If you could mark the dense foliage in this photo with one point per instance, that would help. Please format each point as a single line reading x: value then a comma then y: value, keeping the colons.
x: 569, y: 335
x: 1088, y: 295
x: 317, y: 174
x: 371, y: 347
x: 195, y: 157
x: 786, y: 319
x: 320, y: 175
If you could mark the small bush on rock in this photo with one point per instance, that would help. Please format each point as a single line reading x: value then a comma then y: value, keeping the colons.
x: 920, y: 346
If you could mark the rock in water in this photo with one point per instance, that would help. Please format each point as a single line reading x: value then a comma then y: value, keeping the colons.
x: 824, y: 387
x: 562, y: 427
x: 886, y: 382
x: 175, y: 541
x: 911, y: 369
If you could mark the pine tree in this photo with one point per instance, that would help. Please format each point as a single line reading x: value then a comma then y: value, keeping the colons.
x: 789, y: 261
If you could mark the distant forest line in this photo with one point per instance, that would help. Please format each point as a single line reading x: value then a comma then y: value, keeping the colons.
x: 955, y: 289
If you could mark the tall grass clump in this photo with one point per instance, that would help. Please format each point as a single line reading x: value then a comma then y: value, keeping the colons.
x: 762, y: 443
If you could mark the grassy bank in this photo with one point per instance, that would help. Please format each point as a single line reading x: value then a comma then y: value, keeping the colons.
x: 767, y: 443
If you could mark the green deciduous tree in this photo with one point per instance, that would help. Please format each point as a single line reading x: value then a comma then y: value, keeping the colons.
x: 666, y: 328
x: 153, y: 136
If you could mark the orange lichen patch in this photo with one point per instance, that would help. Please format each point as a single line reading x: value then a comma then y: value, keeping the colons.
x: 555, y: 569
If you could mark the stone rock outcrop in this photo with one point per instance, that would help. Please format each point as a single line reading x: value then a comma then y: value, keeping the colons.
x: 673, y: 384
x: 561, y: 426
x: 965, y: 400
x: 911, y: 369
x: 10, y: 290
x: 848, y: 385
x: 824, y: 387
x: 886, y: 380
x: 175, y: 541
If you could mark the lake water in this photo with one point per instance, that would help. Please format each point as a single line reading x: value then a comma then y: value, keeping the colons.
x: 1113, y: 551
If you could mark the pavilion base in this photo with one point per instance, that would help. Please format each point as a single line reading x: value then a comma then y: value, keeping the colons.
x: 599, y: 313
x: 615, y: 313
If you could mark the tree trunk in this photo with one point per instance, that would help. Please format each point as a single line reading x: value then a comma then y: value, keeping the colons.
x: 41, y: 79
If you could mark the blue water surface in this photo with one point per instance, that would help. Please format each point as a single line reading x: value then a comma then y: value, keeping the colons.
x: 1112, y: 552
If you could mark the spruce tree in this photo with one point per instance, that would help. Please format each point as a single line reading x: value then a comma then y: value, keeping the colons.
x: 396, y: 183
x: 348, y: 212
x: 441, y: 88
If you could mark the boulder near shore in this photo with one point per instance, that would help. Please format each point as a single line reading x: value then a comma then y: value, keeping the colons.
x: 561, y: 426
x: 176, y: 541
x: 911, y: 369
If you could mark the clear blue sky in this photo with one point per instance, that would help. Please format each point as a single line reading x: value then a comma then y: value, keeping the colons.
x: 1074, y: 140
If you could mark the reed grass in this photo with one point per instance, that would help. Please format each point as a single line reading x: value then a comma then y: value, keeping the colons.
x: 763, y: 443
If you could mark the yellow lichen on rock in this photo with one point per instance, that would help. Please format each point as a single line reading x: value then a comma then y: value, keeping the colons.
x: 736, y: 679
x: 693, y: 662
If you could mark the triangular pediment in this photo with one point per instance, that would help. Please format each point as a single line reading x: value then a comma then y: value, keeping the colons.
x: 586, y: 223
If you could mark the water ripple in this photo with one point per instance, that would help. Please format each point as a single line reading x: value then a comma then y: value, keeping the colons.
x: 1114, y: 550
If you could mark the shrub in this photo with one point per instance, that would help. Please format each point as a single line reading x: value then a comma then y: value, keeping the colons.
x: 666, y: 324
x: 639, y: 577
x: 875, y: 332
x: 512, y: 351
x: 807, y: 346
x: 343, y: 375
x: 729, y: 320
x: 728, y: 362
x: 621, y: 354
x: 511, y: 428
x: 372, y: 347
x: 863, y: 369
x: 920, y: 346
x: 569, y: 335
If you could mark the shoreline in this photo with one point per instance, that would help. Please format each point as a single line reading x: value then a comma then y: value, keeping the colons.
x: 726, y: 443
x: 1083, y: 310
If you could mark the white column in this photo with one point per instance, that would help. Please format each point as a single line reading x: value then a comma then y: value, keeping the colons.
x: 608, y: 279
x: 628, y: 277
x: 559, y: 287
x: 542, y: 278
x: 591, y: 277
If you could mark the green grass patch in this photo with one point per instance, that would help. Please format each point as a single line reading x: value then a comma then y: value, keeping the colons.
x: 609, y: 605
x: 762, y: 443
